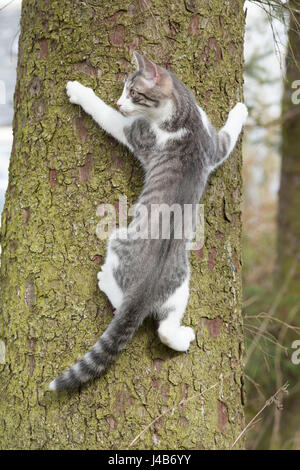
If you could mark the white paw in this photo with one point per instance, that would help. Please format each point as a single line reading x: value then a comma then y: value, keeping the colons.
x: 77, y: 93
x: 52, y: 386
x: 241, y: 112
x: 189, y: 332
x: 178, y: 338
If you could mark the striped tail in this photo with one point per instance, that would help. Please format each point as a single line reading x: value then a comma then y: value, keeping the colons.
x: 125, y: 323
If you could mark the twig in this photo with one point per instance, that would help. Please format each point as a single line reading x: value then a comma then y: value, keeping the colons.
x: 250, y: 301
x: 171, y: 410
x: 279, y: 8
x: 7, y: 4
x: 272, y: 311
x: 256, y: 385
x: 296, y: 329
x: 274, y: 399
x: 277, y: 416
x: 255, y: 331
x: 261, y: 432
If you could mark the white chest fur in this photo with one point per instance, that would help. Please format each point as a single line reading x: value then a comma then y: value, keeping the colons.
x: 163, y: 136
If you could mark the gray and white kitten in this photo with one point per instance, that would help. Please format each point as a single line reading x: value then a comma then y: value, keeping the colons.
x: 178, y: 148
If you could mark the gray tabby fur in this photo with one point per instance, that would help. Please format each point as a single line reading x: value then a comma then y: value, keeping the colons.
x: 178, y: 148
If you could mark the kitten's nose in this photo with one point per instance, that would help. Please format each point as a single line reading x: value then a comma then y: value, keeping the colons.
x: 119, y: 105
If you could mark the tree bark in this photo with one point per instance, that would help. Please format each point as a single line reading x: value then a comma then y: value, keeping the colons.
x: 62, y: 168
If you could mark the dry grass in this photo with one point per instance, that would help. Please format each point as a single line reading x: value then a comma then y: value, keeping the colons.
x: 276, y: 399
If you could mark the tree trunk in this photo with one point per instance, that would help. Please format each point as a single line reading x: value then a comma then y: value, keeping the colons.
x: 62, y: 167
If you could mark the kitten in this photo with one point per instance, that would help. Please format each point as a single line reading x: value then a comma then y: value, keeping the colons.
x: 178, y: 148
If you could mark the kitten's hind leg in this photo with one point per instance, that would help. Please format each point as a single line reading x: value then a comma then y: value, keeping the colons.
x: 170, y: 330
x: 229, y: 134
x: 109, y: 286
x: 106, y: 279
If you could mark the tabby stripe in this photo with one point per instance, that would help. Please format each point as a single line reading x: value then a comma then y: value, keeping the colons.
x: 149, y: 99
x: 92, y: 359
x: 165, y: 171
x: 71, y: 378
x: 144, y: 104
x: 108, y: 348
x: 162, y: 176
x: 85, y: 369
x: 159, y: 185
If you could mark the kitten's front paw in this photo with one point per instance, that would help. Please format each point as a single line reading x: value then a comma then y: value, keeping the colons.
x: 241, y: 111
x: 77, y: 93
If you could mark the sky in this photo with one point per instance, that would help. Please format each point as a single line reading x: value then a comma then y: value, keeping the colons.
x: 9, y: 33
x: 262, y: 94
x: 258, y: 38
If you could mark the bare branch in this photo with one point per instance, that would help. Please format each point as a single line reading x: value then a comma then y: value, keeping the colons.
x: 274, y: 399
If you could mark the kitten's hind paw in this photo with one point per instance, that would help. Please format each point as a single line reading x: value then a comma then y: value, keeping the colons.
x: 178, y: 338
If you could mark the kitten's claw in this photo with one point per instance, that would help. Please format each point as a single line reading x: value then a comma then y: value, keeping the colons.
x: 77, y: 92
x: 241, y: 111
x: 72, y: 91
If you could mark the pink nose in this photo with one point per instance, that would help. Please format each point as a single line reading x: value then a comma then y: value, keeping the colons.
x: 119, y: 105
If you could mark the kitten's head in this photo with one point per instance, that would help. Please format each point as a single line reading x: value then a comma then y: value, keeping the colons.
x: 147, y: 91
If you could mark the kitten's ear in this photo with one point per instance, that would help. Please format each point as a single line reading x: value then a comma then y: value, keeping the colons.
x: 148, y: 68
x: 153, y: 74
x: 139, y: 60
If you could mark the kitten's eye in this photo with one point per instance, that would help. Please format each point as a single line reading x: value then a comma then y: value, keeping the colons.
x: 133, y: 93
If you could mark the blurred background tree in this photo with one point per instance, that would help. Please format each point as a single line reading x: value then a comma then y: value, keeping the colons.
x: 288, y: 240
x: 289, y: 195
x: 271, y: 227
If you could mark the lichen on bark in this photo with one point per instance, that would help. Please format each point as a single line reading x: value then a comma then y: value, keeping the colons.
x: 62, y: 167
